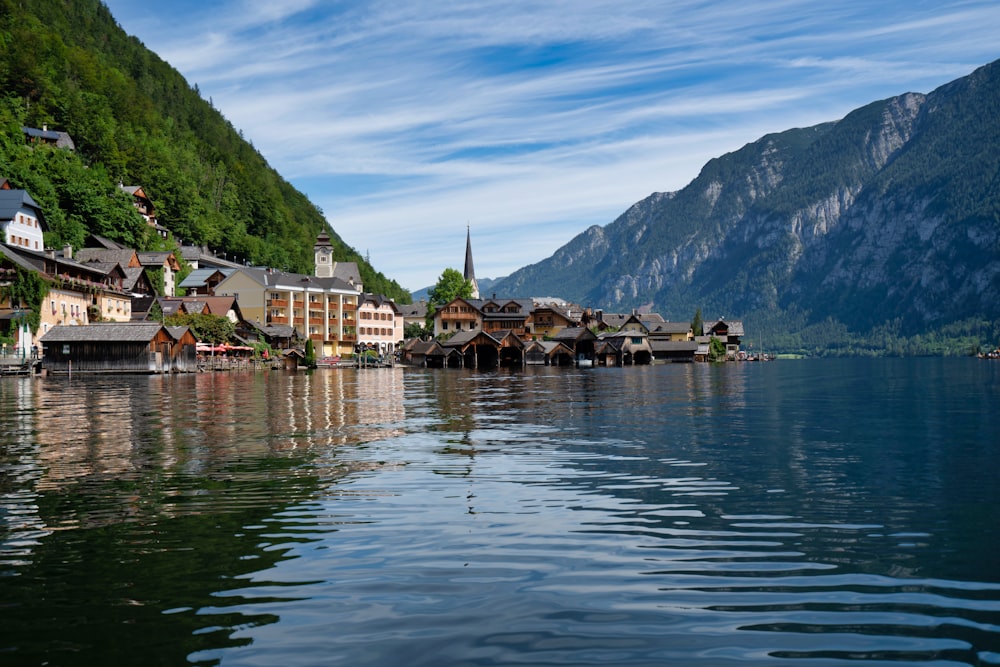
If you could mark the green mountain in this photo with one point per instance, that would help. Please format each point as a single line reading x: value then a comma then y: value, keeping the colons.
x: 883, y: 224
x: 67, y: 65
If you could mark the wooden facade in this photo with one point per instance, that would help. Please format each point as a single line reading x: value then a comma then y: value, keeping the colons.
x: 119, y: 348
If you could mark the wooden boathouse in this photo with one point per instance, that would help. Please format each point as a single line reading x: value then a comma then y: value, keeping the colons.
x: 139, y: 347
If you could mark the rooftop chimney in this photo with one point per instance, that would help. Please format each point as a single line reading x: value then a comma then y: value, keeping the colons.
x: 68, y: 251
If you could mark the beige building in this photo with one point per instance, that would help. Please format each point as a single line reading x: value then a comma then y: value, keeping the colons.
x: 380, y: 323
x: 324, y: 307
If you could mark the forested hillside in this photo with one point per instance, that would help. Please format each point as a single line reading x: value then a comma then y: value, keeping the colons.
x: 66, y: 64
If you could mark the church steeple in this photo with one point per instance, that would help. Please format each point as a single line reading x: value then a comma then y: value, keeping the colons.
x: 470, y: 271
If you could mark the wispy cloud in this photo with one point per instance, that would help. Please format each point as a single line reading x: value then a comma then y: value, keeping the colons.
x: 532, y: 121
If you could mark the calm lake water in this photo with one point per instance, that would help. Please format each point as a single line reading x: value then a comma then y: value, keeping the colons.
x: 827, y: 512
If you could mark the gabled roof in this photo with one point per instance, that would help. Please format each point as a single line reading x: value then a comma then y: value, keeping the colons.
x: 549, y: 347
x: 574, y: 334
x: 12, y: 201
x: 17, y: 258
x: 106, y: 332
x: 155, y: 258
x: 132, y: 276
x: 199, y: 277
x: 418, y: 309
x: 735, y: 327
x: 105, y: 242
x: 177, y: 332
x: 283, y: 280
x: 426, y: 347
x: 379, y: 300
x: 463, y: 338
x: 670, y: 328
x: 123, y: 256
x: 60, y: 139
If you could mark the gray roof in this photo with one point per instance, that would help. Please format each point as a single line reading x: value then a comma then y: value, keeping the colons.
x: 111, y: 332
x: 17, y: 258
x: 198, y: 277
x: 283, y: 280
x: 121, y: 256
x: 462, y: 337
x: 735, y: 326
x: 154, y: 257
x: 60, y: 139
x: 573, y: 334
x: 418, y: 309
x: 12, y: 201
x: 669, y: 327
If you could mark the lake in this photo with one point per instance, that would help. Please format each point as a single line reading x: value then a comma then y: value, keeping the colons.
x: 815, y: 512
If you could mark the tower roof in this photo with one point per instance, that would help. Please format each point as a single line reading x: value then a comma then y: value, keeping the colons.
x: 470, y: 270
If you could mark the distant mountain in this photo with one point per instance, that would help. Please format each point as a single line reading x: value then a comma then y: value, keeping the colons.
x: 890, y: 215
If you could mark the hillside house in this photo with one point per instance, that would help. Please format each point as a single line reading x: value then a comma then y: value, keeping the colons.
x: 21, y: 220
x: 55, y: 138
x: 144, y: 205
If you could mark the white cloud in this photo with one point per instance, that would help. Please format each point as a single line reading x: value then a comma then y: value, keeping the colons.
x: 407, y: 121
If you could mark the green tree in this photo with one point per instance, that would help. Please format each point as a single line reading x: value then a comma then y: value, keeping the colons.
x: 716, y: 349
x: 451, y: 285
x: 696, y: 323
x: 208, y: 328
x: 310, y: 358
x: 414, y: 330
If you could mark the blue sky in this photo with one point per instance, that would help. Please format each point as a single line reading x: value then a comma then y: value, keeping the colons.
x: 405, y: 121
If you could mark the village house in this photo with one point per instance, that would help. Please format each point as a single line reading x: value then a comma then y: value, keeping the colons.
x: 413, y: 313
x: 458, y: 315
x: 323, y: 307
x: 201, y: 282
x: 730, y: 333
x: 380, y: 325
x: 671, y: 341
x: 144, y: 205
x: 21, y: 219
x: 549, y: 318
x: 506, y: 315
x: 46, y: 136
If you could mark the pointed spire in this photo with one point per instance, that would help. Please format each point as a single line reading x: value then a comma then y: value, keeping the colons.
x: 470, y: 271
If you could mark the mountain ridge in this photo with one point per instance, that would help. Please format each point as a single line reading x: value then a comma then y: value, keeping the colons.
x: 890, y: 213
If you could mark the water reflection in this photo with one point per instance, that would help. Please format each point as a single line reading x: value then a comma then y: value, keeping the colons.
x: 697, y: 514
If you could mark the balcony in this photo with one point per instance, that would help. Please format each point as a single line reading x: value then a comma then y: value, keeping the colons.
x: 349, y: 307
x: 316, y: 337
x: 277, y: 320
x: 298, y: 320
x: 350, y: 338
x: 277, y: 303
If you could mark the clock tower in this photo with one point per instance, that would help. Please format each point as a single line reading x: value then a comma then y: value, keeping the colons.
x: 323, y: 256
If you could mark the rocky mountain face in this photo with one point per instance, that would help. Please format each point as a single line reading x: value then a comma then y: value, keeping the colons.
x: 890, y: 214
